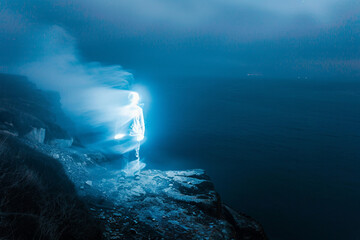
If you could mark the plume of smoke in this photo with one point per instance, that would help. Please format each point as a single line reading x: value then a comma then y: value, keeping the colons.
x: 91, y: 93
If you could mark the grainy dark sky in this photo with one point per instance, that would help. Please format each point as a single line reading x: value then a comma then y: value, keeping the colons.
x: 297, y: 38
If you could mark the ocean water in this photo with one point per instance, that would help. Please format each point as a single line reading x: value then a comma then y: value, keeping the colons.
x: 286, y: 152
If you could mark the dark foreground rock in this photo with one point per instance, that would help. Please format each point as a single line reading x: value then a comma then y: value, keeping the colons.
x: 172, y: 205
x: 41, y: 171
x: 37, y: 199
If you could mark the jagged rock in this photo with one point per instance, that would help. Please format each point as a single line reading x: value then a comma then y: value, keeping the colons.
x: 7, y: 127
x: 167, y: 204
x: 36, y: 135
x: 36, y: 195
x: 89, y: 183
x: 24, y: 108
x: 15, y: 134
x: 158, y: 205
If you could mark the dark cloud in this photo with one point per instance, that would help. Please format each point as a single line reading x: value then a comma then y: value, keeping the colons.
x: 199, y: 37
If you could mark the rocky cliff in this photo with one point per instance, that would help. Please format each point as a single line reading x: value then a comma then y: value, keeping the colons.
x: 157, y: 205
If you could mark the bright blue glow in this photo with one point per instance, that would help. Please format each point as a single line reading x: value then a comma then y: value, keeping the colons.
x: 140, y: 138
x: 134, y: 98
x: 119, y: 136
x: 131, y: 130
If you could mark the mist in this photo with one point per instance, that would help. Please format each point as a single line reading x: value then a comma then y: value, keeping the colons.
x: 93, y: 95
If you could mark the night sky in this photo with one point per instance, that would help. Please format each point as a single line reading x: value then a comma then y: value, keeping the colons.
x: 197, y: 38
x: 264, y: 95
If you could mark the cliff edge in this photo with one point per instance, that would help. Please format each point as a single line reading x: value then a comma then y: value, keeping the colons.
x: 157, y: 205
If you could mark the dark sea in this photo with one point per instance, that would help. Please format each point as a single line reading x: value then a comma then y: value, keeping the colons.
x: 286, y: 152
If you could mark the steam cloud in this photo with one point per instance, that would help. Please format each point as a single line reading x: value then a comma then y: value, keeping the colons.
x: 90, y: 92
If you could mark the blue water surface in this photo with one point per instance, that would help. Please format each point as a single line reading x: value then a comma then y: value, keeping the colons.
x: 286, y: 152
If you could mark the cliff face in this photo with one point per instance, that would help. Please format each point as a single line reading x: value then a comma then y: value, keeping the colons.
x: 26, y: 111
x: 158, y: 205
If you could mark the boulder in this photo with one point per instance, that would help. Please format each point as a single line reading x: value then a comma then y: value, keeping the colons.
x: 36, y: 135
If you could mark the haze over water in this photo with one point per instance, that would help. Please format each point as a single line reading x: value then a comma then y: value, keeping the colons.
x: 286, y: 152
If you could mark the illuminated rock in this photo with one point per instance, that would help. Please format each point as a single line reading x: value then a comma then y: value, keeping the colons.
x: 174, y: 205
x: 37, y: 135
x: 156, y: 205
x: 160, y: 204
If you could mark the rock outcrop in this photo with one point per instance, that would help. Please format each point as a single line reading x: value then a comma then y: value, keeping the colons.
x: 37, y: 135
x: 170, y: 205
x: 26, y: 111
x: 157, y: 205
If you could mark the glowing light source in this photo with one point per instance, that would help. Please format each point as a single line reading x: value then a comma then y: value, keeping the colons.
x: 119, y: 136
x: 134, y: 97
x: 131, y: 128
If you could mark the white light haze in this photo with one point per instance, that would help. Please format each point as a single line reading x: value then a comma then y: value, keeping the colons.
x: 94, y: 93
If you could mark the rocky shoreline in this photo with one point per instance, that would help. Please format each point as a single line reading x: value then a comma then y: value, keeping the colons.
x: 157, y: 205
